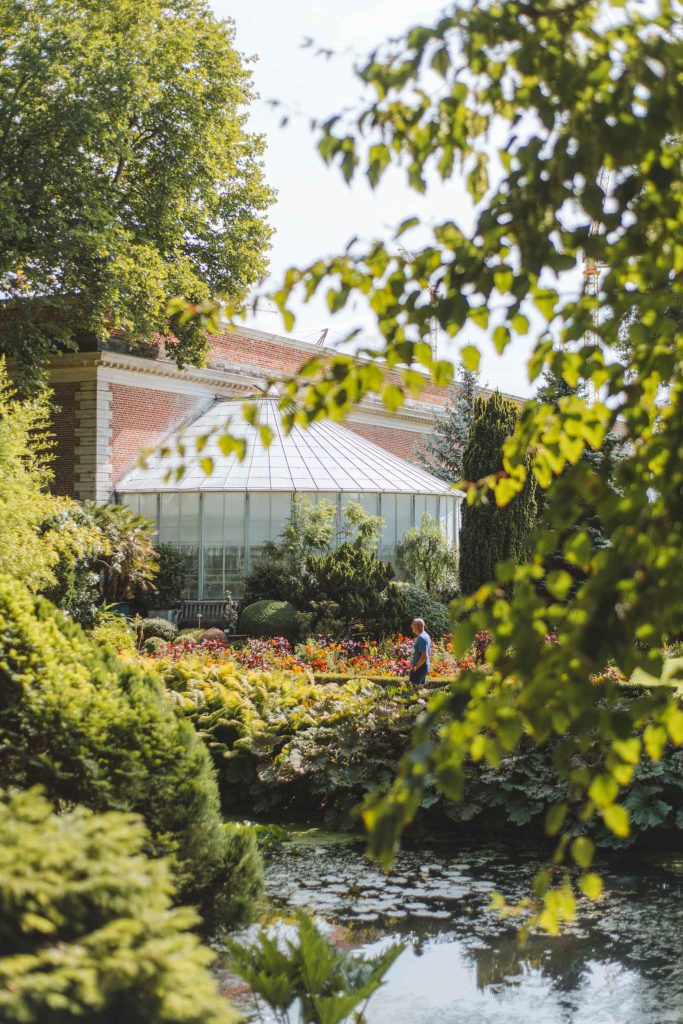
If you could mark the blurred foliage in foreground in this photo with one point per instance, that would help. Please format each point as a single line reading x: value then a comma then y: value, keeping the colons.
x: 533, y: 106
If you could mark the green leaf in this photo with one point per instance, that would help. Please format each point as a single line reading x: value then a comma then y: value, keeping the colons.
x: 471, y: 357
x: 501, y: 338
x: 583, y: 851
x: 591, y: 886
x: 603, y: 790
x: 616, y: 819
x: 555, y: 818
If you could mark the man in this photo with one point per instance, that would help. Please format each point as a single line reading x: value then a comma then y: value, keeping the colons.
x: 420, y: 659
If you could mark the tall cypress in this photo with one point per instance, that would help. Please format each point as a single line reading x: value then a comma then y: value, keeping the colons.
x: 491, y: 534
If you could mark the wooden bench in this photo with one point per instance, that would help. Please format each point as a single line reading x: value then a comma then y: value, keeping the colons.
x: 202, y: 613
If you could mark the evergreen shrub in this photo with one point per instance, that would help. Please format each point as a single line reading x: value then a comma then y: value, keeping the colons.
x: 269, y: 618
x: 167, y: 631
x: 88, y: 932
x: 414, y: 602
x: 96, y: 730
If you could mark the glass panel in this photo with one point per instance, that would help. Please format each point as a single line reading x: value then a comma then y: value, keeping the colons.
x: 432, y: 503
x: 148, y: 508
x: 189, y: 519
x: 259, y: 524
x: 280, y: 510
x: 169, y: 519
x: 450, y: 519
x: 370, y: 503
x: 404, y: 515
x: 387, y: 541
x: 235, y: 514
x: 131, y: 501
x: 189, y: 541
x: 420, y: 508
x: 212, y: 540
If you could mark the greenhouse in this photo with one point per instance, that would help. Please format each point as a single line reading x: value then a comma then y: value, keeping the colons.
x: 223, y: 519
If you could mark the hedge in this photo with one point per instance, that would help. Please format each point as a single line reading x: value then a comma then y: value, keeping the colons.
x: 269, y: 618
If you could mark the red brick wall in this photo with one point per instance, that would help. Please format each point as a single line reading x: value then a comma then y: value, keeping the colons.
x: 141, y: 417
x: 403, y: 443
x: 64, y: 426
x: 270, y: 355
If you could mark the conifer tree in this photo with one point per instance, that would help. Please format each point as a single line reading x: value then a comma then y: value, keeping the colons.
x: 443, y: 450
x: 491, y: 534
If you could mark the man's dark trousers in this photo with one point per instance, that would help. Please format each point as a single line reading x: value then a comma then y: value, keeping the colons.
x: 418, y: 676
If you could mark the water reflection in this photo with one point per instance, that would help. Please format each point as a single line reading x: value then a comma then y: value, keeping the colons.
x: 620, y: 963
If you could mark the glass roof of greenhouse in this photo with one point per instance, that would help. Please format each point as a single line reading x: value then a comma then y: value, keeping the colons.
x: 324, y: 457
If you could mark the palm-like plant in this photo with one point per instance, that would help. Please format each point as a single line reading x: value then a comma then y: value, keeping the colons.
x: 327, y: 985
x: 127, y: 562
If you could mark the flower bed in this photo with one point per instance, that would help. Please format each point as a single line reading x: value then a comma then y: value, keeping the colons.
x: 323, y: 655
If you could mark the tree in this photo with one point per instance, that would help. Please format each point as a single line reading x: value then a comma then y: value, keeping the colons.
x: 426, y: 558
x: 491, y: 534
x: 88, y: 930
x: 354, y: 580
x: 443, y: 451
x: 528, y: 103
x: 127, y: 175
x: 360, y: 527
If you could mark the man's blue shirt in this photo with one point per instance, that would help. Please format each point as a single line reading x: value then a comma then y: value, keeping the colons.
x: 423, y: 643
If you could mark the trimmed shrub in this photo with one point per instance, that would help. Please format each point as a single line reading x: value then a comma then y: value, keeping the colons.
x: 88, y: 932
x: 269, y: 618
x: 95, y: 730
x: 214, y: 634
x: 153, y: 645
x: 414, y: 602
x: 167, y: 631
x: 274, y: 578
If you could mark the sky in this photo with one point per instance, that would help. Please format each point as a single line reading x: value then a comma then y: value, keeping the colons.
x: 316, y: 213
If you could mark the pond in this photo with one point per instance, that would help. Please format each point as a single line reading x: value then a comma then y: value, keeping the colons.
x: 620, y: 963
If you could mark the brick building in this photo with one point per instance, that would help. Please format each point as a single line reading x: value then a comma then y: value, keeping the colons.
x: 111, y: 405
